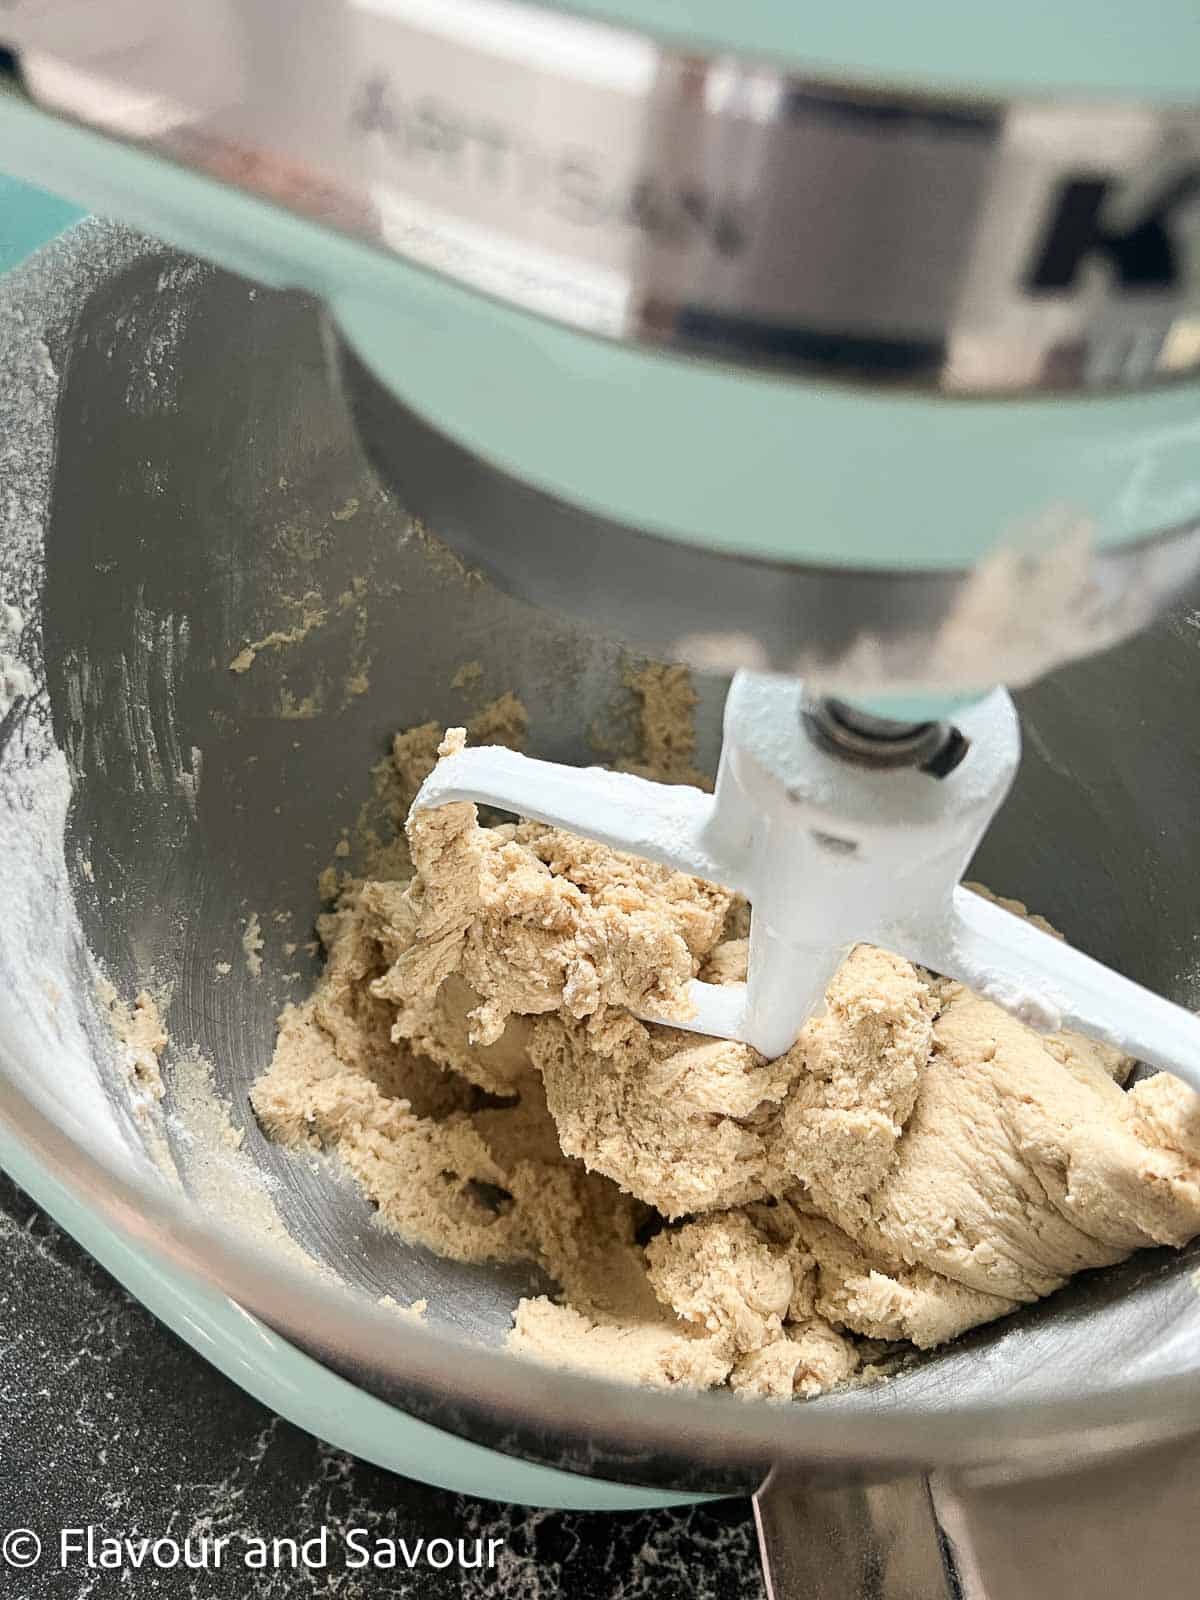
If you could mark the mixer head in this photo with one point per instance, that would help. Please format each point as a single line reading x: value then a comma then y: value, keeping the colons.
x: 751, y: 347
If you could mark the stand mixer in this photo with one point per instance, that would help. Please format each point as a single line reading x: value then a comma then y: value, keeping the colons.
x: 858, y: 357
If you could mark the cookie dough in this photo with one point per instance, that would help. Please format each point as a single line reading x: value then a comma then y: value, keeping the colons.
x: 917, y: 1164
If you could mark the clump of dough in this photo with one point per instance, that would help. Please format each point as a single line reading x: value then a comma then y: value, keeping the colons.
x: 534, y: 920
x: 379, y: 829
x: 720, y: 1274
x: 917, y: 1164
x: 678, y: 1119
x: 836, y: 1279
x: 858, y: 1070
x: 694, y: 1124
x: 667, y: 736
x: 1023, y: 1164
x: 806, y: 1362
x: 141, y: 1037
x: 649, y: 1351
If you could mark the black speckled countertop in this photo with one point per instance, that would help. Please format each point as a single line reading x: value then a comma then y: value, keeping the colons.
x: 109, y: 1419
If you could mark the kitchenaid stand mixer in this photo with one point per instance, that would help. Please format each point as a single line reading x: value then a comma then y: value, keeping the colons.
x: 879, y: 387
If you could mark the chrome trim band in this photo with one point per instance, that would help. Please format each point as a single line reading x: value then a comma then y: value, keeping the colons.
x: 710, y: 206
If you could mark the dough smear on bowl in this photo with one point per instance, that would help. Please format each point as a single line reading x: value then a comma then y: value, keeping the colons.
x: 917, y: 1164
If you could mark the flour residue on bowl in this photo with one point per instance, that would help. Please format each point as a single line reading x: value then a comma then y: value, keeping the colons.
x: 16, y: 680
x: 141, y: 1038
x: 216, y: 1171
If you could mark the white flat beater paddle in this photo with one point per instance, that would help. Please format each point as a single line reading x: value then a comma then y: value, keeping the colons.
x: 831, y: 854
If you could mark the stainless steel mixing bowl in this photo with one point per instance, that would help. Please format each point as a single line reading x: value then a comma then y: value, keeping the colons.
x: 178, y: 465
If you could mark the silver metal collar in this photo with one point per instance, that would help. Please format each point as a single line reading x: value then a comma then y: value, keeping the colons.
x: 699, y: 204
